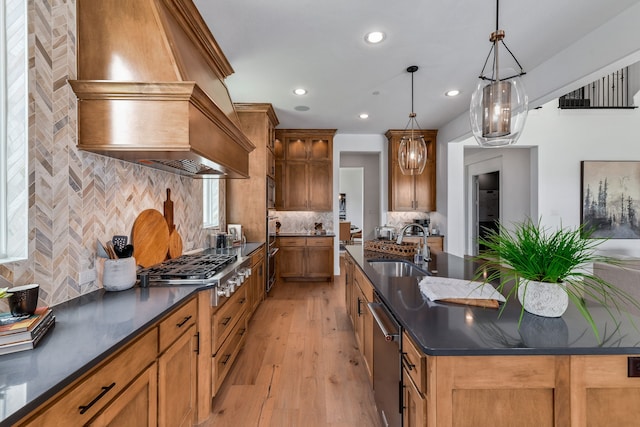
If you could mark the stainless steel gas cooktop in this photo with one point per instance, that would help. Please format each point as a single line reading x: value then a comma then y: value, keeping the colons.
x: 195, y: 268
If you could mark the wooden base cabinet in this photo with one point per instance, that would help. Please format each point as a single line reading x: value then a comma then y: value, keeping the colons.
x: 414, y: 404
x: 360, y: 292
x: 503, y: 391
x: 150, y: 382
x: 135, y: 406
x: 177, y: 376
x: 305, y: 258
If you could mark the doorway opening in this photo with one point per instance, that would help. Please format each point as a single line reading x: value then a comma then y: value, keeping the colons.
x: 487, y: 203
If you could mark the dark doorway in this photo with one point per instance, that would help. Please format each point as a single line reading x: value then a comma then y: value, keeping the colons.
x: 488, y: 190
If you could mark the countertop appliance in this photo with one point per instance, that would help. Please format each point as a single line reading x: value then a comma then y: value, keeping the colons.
x: 223, y: 270
x: 387, y: 364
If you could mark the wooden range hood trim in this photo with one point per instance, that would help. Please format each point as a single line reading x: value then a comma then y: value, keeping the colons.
x: 201, y: 133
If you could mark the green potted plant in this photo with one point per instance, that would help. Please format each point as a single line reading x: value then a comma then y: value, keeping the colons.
x: 548, y: 269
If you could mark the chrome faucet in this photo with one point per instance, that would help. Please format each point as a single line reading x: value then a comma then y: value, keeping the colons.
x: 425, y: 250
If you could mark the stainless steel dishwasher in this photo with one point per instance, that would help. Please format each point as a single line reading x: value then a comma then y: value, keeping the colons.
x: 387, y: 364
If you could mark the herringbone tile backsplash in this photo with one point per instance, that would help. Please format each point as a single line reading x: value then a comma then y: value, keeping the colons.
x: 77, y: 198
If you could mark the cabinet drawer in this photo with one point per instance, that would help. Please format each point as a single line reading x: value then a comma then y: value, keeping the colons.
x: 177, y: 323
x: 415, y: 363
x: 83, y: 401
x: 257, y: 256
x: 363, y: 283
x: 227, y: 316
x: 320, y: 241
x: 292, y: 241
x: 224, y: 358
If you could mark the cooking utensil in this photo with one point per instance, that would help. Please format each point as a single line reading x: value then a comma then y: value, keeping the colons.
x: 150, y: 236
x: 101, y: 250
x: 111, y: 250
x: 175, y: 240
x: 168, y: 211
x: 119, y: 242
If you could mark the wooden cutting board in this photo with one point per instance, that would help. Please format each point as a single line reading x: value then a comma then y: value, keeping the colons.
x: 150, y: 237
x: 175, y: 244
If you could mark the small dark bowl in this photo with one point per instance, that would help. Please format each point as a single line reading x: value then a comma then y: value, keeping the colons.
x: 23, y: 299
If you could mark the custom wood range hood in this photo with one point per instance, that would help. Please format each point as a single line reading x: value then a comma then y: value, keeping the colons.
x: 151, y: 89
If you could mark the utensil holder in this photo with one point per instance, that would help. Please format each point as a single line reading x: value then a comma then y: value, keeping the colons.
x: 119, y: 274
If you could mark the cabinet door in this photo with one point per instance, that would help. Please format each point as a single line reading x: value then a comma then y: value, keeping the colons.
x: 320, y: 186
x: 136, y: 406
x: 296, y: 148
x: 320, y: 149
x: 319, y: 262
x: 425, y: 183
x: 414, y: 406
x: 402, y: 191
x: 291, y: 261
x: 295, y: 197
x: 177, y: 377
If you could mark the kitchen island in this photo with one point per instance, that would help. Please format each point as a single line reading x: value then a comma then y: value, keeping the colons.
x: 472, y: 366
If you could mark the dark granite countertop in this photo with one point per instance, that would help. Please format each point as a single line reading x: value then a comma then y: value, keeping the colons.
x: 453, y: 329
x: 87, y: 330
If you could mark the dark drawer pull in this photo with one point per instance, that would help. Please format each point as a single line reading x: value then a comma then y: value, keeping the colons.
x: 225, y: 321
x: 242, y: 331
x: 104, y: 391
x: 185, y: 320
x: 406, y: 362
x: 226, y: 359
x: 242, y: 301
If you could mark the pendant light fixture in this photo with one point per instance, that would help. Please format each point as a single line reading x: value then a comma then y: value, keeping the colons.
x: 498, y: 108
x: 412, y: 154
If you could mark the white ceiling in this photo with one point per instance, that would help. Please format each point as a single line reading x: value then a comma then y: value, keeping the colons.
x: 276, y: 46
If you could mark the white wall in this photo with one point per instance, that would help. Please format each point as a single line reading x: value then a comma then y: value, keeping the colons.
x: 351, y: 143
x: 563, y: 139
x: 352, y: 185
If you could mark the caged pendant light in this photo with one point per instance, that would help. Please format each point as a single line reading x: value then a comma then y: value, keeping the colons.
x: 412, y: 154
x: 498, y: 108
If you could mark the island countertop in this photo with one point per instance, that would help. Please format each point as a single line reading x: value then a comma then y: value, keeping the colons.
x: 451, y: 329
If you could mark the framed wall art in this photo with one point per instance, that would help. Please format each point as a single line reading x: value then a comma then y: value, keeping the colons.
x: 611, y: 198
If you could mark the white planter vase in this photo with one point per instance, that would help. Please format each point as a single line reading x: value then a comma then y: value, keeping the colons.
x: 542, y: 298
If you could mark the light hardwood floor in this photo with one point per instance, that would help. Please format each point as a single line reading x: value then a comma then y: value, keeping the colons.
x: 300, y: 365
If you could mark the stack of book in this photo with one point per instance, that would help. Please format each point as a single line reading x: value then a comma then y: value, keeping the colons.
x: 24, y: 334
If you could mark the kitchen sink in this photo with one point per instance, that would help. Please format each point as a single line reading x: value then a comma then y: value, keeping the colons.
x: 397, y: 268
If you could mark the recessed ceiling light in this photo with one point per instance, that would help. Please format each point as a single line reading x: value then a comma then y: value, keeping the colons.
x: 453, y: 92
x: 374, y: 37
x: 300, y: 91
x: 364, y: 116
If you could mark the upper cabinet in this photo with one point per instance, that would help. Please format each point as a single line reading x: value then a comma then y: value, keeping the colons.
x: 249, y: 199
x: 409, y: 192
x: 304, y: 169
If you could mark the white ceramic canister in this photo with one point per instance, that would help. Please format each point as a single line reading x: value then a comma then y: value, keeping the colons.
x: 119, y: 274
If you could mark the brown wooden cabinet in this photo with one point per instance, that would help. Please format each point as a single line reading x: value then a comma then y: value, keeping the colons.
x: 177, y: 378
x: 96, y: 393
x: 135, y: 406
x: 407, y: 192
x: 305, y: 258
x: 248, y: 199
x: 532, y: 390
x: 304, y: 169
x: 359, y: 292
x: 228, y: 324
x: 256, y: 282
